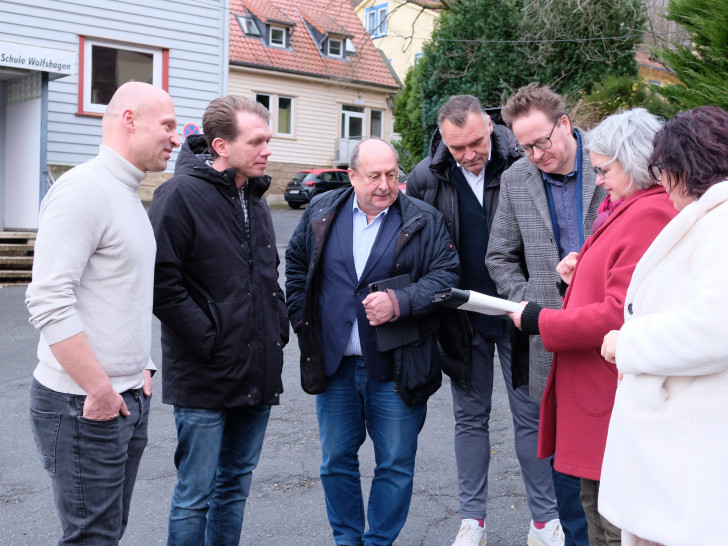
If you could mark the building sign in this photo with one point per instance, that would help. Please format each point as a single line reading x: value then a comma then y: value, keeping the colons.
x: 44, y: 59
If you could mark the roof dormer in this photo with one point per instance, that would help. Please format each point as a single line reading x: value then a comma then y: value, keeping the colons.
x: 267, y: 23
x: 333, y: 40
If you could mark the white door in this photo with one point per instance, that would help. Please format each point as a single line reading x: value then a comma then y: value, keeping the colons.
x: 352, y: 130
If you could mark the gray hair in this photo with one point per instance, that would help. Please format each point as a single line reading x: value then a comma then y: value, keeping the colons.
x: 627, y: 137
x: 458, y: 108
x: 354, y: 159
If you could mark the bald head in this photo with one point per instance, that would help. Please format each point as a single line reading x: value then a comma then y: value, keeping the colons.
x: 373, y: 173
x: 140, y: 124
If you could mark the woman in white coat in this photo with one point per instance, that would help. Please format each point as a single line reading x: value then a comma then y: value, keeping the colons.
x: 665, y: 470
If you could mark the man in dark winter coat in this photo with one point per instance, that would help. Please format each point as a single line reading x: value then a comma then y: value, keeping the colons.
x: 223, y: 315
x: 461, y: 177
x: 346, y: 241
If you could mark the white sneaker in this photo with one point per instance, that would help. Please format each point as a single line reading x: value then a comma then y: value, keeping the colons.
x: 551, y: 535
x: 470, y: 534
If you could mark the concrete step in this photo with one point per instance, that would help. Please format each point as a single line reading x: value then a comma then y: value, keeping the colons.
x: 18, y: 249
x: 16, y: 276
x: 17, y: 236
x: 16, y: 262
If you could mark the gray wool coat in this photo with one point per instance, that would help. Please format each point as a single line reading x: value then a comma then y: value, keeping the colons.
x: 522, y: 251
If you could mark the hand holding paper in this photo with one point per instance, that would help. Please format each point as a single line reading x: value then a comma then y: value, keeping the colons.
x: 515, y: 316
x: 468, y: 300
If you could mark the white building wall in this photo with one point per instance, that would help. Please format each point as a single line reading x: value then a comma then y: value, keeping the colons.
x: 22, y: 194
x: 317, y: 111
x: 194, y: 32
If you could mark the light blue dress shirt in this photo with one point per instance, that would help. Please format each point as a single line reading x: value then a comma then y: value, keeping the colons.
x: 365, y: 233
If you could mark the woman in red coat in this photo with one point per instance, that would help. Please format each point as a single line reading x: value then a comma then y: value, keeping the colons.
x: 580, y: 392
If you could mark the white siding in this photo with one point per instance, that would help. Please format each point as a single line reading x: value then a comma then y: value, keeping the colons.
x: 317, y: 111
x: 194, y: 32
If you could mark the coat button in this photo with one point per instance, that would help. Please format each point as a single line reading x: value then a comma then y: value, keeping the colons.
x: 629, y: 308
x: 274, y: 294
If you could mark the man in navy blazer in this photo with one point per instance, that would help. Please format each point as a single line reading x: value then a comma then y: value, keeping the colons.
x: 346, y: 240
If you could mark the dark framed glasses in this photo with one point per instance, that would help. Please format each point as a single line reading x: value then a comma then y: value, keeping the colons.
x: 655, y: 171
x: 542, y: 143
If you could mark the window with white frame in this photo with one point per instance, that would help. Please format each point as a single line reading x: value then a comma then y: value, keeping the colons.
x: 376, y: 18
x: 264, y: 99
x: 281, y: 109
x: 108, y: 65
x: 248, y: 26
x: 336, y: 47
x: 375, y: 123
x: 284, y: 115
x: 277, y: 36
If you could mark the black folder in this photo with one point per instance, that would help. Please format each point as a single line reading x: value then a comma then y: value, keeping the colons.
x: 391, y: 335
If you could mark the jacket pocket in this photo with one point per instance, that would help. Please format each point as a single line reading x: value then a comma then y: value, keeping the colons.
x: 417, y: 373
x: 233, y: 338
x: 592, y: 382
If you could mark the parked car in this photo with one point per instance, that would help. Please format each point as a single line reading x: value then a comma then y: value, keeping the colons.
x: 305, y: 184
x: 402, y: 176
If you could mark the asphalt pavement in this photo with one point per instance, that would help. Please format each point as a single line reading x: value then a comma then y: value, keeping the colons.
x: 286, y: 505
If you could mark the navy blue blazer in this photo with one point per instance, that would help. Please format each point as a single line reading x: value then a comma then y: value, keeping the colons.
x: 342, y: 293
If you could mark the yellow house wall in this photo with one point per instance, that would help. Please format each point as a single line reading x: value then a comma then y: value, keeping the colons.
x: 408, y: 27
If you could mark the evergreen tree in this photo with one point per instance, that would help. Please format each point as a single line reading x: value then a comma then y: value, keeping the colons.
x: 574, y: 44
x: 408, y: 121
x: 474, y: 50
x: 702, y: 65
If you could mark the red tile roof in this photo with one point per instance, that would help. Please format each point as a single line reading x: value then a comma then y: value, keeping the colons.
x: 303, y: 57
x: 323, y: 23
x: 643, y: 59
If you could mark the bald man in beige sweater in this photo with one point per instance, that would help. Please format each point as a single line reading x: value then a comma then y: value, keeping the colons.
x: 91, y: 299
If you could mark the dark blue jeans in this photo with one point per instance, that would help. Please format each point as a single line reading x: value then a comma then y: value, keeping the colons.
x: 92, y: 464
x: 571, y: 512
x: 352, y: 405
x: 217, y: 451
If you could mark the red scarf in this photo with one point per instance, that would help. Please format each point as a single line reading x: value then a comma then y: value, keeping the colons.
x: 603, y: 212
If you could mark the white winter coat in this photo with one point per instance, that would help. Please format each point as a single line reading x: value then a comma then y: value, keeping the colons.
x: 665, y: 471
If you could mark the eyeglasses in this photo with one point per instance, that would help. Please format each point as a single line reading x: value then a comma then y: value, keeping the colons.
x: 541, y: 143
x: 376, y: 177
x: 599, y: 169
x: 655, y: 171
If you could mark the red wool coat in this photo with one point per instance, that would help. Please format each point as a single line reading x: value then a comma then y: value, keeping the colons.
x: 579, y: 395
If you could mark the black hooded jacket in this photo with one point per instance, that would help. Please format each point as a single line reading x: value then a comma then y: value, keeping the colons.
x: 430, y: 181
x: 216, y: 292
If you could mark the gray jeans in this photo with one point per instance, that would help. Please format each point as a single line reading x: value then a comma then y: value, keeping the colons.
x: 472, y: 435
x: 92, y: 464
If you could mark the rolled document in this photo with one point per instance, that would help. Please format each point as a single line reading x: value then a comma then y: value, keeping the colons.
x: 468, y: 300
